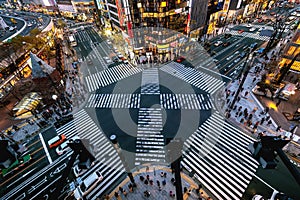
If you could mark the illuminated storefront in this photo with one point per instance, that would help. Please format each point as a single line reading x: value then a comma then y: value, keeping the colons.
x: 291, y: 50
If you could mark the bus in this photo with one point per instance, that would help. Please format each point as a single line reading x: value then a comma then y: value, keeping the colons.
x: 72, y: 40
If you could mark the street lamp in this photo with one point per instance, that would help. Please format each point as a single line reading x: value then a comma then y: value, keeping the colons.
x: 113, y: 139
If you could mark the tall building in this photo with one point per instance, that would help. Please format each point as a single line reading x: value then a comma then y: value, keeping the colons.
x: 142, y: 22
x: 292, y: 49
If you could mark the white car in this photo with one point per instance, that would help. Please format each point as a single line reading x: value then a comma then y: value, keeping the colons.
x: 120, y: 55
x: 87, y: 185
x: 78, y: 172
x: 107, y: 60
x: 252, y: 29
x: 218, y: 43
x: 108, y: 42
x: 248, y: 25
x: 61, y: 149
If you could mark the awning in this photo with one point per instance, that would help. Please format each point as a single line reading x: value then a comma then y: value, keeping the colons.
x: 27, y: 105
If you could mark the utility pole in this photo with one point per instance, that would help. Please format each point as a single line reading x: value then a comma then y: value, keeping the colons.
x: 247, y: 67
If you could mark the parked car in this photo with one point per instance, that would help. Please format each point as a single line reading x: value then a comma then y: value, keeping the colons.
x: 16, y: 165
x: 253, y: 45
x: 260, y: 50
x: 240, y: 31
x: 180, y: 59
x: 227, y: 35
x: 57, y: 140
x: 218, y: 43
x: 88, y: 185
x: 242, y: 54
x: 226, y: 44
x: 64, y: 146
x: 78, y: 172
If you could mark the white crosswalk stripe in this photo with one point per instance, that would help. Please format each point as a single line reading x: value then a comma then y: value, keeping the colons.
x: 111, y: 75
x: 218, y: 154
x: 194, y: 77
x: 185, y: 101
x: 249, y: 35
x: 108, y: 161
x: 114, y: 101
x: 150, y: 81
x: 150, y: 144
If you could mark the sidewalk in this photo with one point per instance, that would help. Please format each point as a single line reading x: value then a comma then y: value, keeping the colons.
x: 156, y: 187
x: 257, y: 119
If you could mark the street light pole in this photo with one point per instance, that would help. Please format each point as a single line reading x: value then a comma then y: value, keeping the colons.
x: 247, y: 67
x: 113, y: 139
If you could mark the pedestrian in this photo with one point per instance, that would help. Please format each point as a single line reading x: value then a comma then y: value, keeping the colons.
x: 269, y: 122
x: 116, y: 194
x: 158, y: 183
x: 146, y: 182
x: 262, y: 120
x: 164, y: 182
x: 266, y: 110
x: 268, y: 117
x: 278, y: 128
x: 238, y: 98
x: 278, y: 102
x: 246, y: 93
x: 254, y: 79
x: 240, y: 113
x: 165, y: 175
x: 240, y: 108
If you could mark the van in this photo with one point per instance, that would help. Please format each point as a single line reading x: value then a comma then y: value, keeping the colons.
x: 57, y: 140
x: 88, y: 185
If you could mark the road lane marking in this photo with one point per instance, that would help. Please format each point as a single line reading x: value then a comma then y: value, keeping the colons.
x: 45, y: 148
x: 20, y: 171
x: 21, y: 177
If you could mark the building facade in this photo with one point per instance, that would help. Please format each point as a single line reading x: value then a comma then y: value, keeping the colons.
x: 152, y: 25
x: 292, y: 49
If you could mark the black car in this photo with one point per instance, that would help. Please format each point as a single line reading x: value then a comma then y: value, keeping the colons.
x: 227, y: 35
x: 226, y: 44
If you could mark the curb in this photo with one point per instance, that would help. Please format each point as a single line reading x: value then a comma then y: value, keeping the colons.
x: 262, y: 107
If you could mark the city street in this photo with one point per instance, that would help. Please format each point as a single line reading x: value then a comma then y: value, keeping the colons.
x: 147, y: 106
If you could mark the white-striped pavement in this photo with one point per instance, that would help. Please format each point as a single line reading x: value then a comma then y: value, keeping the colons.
x: 108, y: 161
x: 109, y: 76
x: 150, y: 81
x: 249, y: 35
x: 186, y: 101
x: 194, y: 77
x: 218, y: 154
x: 114, y: 101
x: 150, y: 143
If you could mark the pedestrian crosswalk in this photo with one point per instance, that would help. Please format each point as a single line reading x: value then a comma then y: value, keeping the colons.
x: 110, y: 76
x: 218, y: 154
x: 194, y: 77
x: 249, y: 35
x: 114, y: 101
x: 150, y: 143
x: 109, y: 163
x: 150, y: 81
x: 186, y: 101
